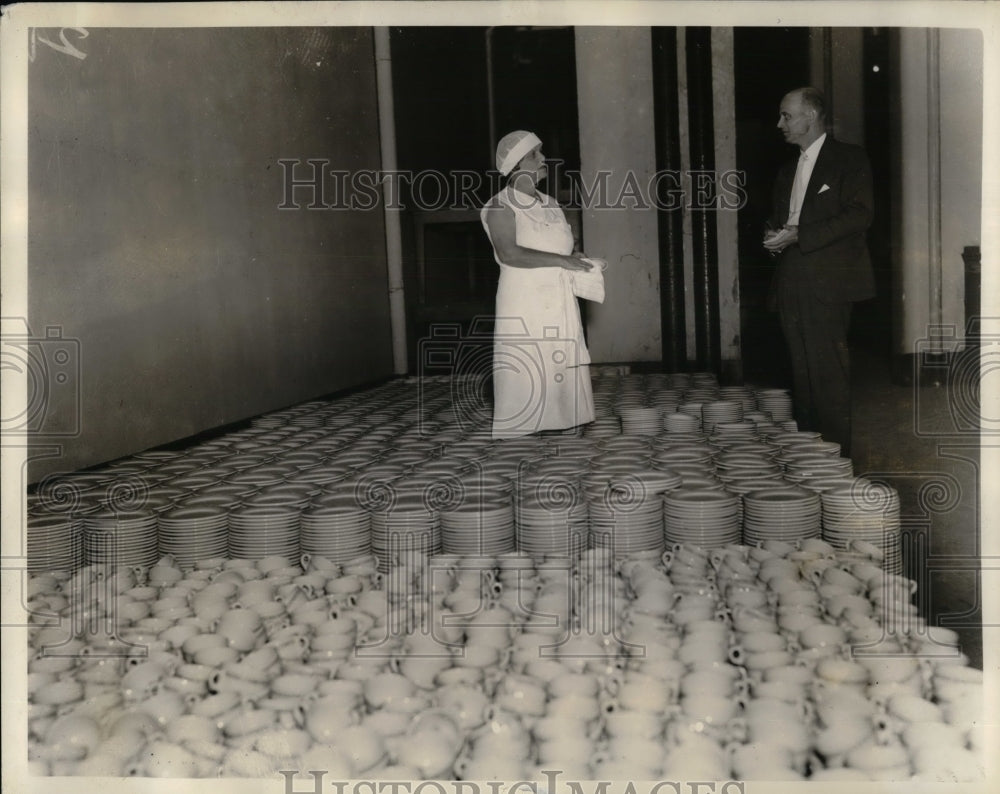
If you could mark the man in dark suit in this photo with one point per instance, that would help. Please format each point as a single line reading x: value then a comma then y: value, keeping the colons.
x: 823, y: 206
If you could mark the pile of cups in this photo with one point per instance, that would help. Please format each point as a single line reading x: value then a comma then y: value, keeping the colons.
x: 768, y: 662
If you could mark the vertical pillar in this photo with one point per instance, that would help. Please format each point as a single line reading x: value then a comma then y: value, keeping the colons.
x: 617, y: 155
x: 727, y: 227
x: 683, y: 134
x: 835, y: 68
x: 703, y: 194
x: 669, y: 218
x: 934, y: 272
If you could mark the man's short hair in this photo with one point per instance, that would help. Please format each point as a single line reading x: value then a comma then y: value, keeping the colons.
x: 813, y: 98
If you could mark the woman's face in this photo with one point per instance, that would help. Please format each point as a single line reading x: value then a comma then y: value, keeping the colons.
x: 534, y: 163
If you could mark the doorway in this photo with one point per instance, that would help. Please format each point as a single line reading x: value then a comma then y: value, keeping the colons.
x: 456, y: 91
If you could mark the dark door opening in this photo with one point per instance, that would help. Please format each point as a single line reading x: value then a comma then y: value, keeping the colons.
x: 442, y: 89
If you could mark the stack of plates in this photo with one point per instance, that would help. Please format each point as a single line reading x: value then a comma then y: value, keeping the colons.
x: 704, y: 380
x: 831, y: 448
x: 762, y: 465
x: 864, y: 512
x: 812, y: 461
x: 693, y: 408
x: 294, y: 495
x: 336, y: 528
x: 405, y: 530
x: 120, y: 538
x: 775, y: 402
x: 190, y: 534
x: 260, y: 476
x: 626, y: 527
x: 551, y: 531
x: 704, y: 517
x: 629, y: 485
x: 641, y: 421
x: 785, y: 514
x: 695, y: 477
x: 728, y: 411
x: 743, y: 394
x: 744, y: 485
x: 729, y: 434
x: 604, y: 426
x: 687, y: 452
x: 819, y: 481
x: 630, y: 444
x: 264, y: 531
x: 478, y: 528
x: 792, y: 438
x: 548, y: 491
x: 666, y: 401
x: 484, y: 481
x: 681, y: 422
x: 54, y: 542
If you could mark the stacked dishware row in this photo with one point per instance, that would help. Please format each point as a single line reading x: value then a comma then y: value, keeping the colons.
x: 478, y: 528
x: 119, y: 538
x: 388, y: 446
x: 864, y: 513
x: 704, y: 517
x: 407, y: 528
x: 725, y: 412
x: 641, y: 421
x: 193, y: 533
x: 337, y: 528
x: 54, y: 543
x: 256, y: 532
x: 782, y: 514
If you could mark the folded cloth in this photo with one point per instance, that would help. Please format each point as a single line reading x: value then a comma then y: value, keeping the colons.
x: 589, y: 284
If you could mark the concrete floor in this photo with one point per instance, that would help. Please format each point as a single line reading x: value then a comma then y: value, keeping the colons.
x: 919, y: 439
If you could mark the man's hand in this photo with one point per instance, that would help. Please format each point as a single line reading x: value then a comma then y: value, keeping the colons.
x: 775, y: 242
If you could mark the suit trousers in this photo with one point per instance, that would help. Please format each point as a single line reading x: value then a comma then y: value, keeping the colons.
x: 816, y: 334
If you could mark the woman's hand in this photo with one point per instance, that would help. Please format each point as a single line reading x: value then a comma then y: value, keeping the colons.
x: 576, y: 262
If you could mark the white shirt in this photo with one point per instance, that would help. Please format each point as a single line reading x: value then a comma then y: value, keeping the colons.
x: 803, y: 171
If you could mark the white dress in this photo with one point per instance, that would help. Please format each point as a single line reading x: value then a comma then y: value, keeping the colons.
x: 541, y: 380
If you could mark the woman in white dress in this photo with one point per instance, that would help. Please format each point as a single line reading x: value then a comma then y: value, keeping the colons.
x: 541, y: 378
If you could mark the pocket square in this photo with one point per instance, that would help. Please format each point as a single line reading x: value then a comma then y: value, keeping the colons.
x: 823, y: 189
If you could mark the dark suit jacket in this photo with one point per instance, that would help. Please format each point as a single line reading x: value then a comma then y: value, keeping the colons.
x: 832, y: 251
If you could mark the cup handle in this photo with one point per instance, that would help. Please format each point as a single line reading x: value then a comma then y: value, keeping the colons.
x: 304, y: 561
x: 737, y: 655
x: 737, y: 729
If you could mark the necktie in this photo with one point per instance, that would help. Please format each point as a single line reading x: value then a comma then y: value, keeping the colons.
x: 798, y: 191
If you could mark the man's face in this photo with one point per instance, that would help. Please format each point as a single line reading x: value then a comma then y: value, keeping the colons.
x: 795, y: 120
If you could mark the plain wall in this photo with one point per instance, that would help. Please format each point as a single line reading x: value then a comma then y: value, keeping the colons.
x: 960, y: 123
x: 156, y: 241
x: 615, y: 96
